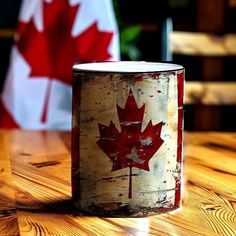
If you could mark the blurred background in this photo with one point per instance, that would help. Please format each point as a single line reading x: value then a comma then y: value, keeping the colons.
x: 199, y: 34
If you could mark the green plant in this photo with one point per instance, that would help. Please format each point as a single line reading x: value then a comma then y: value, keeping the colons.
x: 129, y: 36
x: 128, y: 42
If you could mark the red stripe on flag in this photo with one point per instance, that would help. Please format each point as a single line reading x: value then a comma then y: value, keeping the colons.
x: 6, y: 120
x: 46, y: 101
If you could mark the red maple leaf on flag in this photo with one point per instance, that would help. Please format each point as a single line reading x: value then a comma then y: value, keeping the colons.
x: 131, y: 147
x: 52, y: 52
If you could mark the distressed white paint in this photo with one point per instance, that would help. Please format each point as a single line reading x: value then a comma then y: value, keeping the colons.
x: 154, y: 188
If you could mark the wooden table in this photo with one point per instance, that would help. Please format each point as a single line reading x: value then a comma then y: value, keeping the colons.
x: 35, y: 189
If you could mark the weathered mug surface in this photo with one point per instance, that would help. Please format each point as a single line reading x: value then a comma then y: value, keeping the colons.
x: 127, y: 138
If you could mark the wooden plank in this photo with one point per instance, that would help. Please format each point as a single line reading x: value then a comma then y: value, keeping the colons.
x: 41, y: 168
x: 211, y: 16
x: 203, y: 44
x: 41, y: 171
x: 7, y: 33
x: 232, y: 3
x: 223, y: 140
x: 213, y: 162
x: 8, y: 216
x: 210, y: 93
x: 47, y: 208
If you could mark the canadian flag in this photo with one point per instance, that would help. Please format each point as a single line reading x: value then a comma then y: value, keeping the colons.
x: 52, y: 35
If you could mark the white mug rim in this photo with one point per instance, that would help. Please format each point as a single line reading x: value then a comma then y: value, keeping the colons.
x: 127, y: 67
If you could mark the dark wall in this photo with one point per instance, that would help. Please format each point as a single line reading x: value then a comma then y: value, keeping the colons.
x: 9, y: 10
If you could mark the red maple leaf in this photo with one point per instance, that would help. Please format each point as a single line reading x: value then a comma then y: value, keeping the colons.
x: 131, y: 147
x: 52, y: 52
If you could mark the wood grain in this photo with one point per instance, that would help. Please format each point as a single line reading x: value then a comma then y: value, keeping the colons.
x: 232, y: 3
x: 210, y: 93
x: 41, y: 175
x: 202, y: 44
x: 8, y: 217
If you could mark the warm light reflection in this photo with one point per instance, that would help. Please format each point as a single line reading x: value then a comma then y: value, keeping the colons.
x: 142, y: 227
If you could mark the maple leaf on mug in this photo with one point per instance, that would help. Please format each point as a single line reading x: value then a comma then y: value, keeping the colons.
x: 131, y: 147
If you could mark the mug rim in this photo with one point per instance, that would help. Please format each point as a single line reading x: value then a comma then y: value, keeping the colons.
x: 127, y: 67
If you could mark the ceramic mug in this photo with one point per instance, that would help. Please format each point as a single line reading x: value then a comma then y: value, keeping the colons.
x: 127, y: 137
